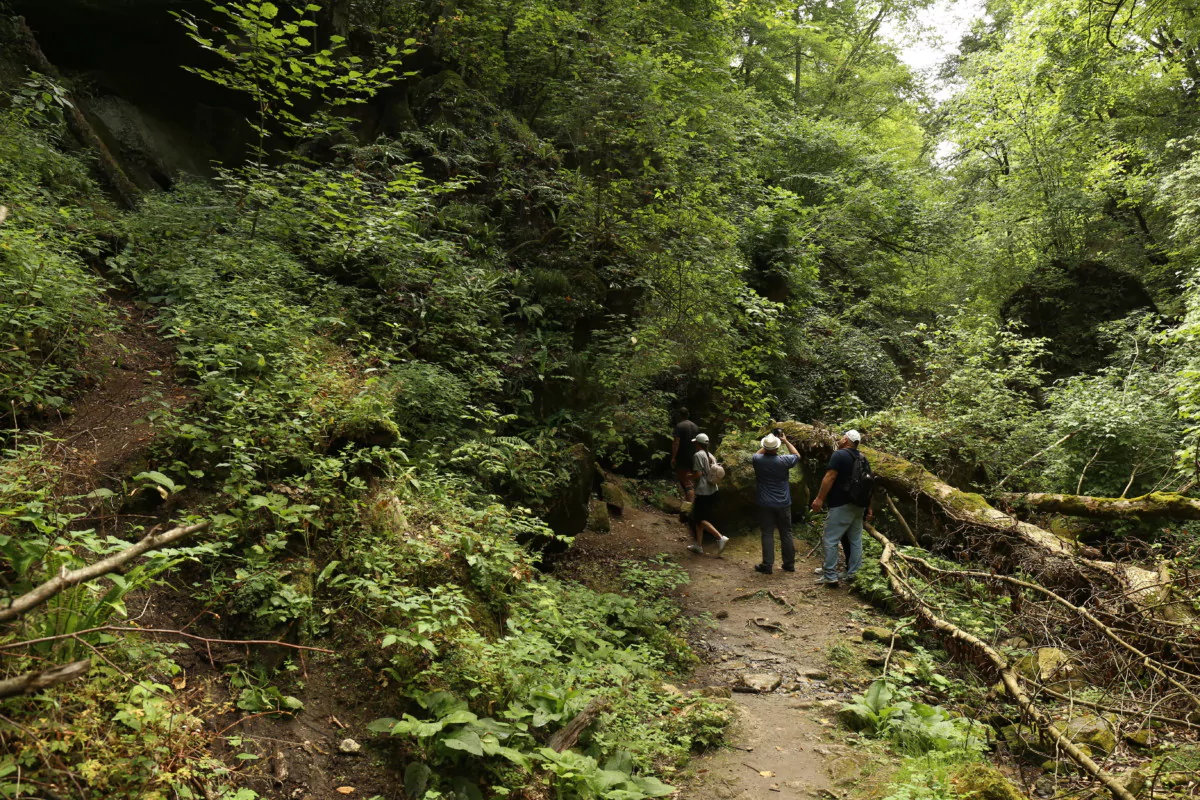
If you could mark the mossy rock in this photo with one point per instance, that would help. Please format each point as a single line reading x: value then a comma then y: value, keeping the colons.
x: 984, y: 782
x: 598, y: 519
x: 1138, y: 738
x: 739, y: 503
x: 1091, y: 730
x: 1052, y: 667
x: 616, y: 494
x: 1026, y: 741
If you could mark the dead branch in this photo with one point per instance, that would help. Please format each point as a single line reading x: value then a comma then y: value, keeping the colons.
x: 912, y: 538
x: 1114, y: 709
x: 566, y: 738
x: 1149, y: 663
x: 163, y: 631
x: 68, y: 578
x: 1008, y: 676
x: 1156, y: 505
x: 36, y: 681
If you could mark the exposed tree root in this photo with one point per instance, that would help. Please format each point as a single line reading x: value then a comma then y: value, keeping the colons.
x: 984, y: 652
x: 1156, y: 505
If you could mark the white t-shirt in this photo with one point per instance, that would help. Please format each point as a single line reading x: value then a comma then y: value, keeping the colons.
x: 700, y: 464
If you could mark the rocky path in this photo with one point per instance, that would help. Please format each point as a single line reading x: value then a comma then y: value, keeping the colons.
x: 769, y: 646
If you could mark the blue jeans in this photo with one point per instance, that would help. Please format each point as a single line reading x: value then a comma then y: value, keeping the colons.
x: 842, y: 521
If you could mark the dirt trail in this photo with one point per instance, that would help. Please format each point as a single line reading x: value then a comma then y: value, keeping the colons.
x: 780, y: 625
x: 107, y: 428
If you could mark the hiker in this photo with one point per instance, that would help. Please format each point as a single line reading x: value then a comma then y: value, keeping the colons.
x: 849, y: 498
x: 682, y: 451
x: 703, y: 476
x: 775, y: 500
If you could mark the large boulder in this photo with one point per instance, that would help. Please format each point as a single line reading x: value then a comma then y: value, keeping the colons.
x: 738, y: 505
x: 567, y: 513
x: 1092, y: 730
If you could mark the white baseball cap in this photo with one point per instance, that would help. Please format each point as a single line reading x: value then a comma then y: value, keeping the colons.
x: 853, y: 435
x: 702, y: 438
x: 770, y: 442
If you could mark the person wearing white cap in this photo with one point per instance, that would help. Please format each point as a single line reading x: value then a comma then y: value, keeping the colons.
x: 704, y: 477
x: 774, y: 494
x: 847, y: 485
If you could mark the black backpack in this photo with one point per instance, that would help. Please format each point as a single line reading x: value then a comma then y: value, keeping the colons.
x: 862, y: 481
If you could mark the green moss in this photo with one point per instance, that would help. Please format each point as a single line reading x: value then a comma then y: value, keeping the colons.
x: 984, y: 782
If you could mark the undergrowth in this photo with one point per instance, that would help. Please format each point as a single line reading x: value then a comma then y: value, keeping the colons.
x: 350, y: 453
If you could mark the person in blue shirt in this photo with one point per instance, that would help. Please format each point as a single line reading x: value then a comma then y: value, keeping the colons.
x: 845, y: 519
x: 774, y: 494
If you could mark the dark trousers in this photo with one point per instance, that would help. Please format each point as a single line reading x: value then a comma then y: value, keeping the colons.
x: 768, y: 520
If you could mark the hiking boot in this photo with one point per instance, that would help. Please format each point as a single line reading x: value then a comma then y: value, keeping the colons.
x: 789, y: 567
x: 765, y: 569
x: 724, y: 540
x: 695, y: 548
x: 833, y: 584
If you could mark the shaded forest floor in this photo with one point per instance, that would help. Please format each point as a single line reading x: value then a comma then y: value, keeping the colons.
x: 762, y: 630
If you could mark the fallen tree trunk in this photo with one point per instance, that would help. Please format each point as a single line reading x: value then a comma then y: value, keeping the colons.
x: 1045, y: 553
x: 1156, y: 505
x: 1008, y: 676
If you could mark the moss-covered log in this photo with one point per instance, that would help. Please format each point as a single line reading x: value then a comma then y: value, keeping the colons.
x: 1156, y: 505
x: 1043, y: 552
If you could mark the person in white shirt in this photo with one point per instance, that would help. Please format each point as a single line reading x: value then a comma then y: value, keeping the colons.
x: 706, y: 498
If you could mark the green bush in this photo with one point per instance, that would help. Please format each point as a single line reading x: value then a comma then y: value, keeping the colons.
x: 51, y: 309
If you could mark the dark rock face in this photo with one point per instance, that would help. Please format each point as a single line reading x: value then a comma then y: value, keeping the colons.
x: 124, y: 57
x: 1067, y: 303
x: 567, y: 514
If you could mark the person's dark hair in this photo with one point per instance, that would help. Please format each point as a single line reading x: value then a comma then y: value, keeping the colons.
x: 684, y: 413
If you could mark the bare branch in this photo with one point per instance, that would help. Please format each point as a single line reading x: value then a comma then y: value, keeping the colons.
x: 68, y: 578
x: 164, y: 631
x: 1008, y: 676
x: 35, y: 681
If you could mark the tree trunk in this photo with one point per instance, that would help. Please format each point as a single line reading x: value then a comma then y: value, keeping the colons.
x: 1156, y: 505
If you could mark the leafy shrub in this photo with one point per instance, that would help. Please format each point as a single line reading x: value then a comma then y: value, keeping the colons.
x: 912, y: 727
x: 50, y: 309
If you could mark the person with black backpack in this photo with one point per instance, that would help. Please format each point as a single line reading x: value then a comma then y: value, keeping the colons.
x: 847, y: 484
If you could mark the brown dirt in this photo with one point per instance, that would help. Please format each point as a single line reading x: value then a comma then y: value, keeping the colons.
x: 107, y: 428
x: 786, y: 744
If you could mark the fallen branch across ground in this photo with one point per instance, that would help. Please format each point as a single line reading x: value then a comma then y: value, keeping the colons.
x: 68, y: 578
x: 981, y: 650
x: 35, y: 681
x: 1158, y: 668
